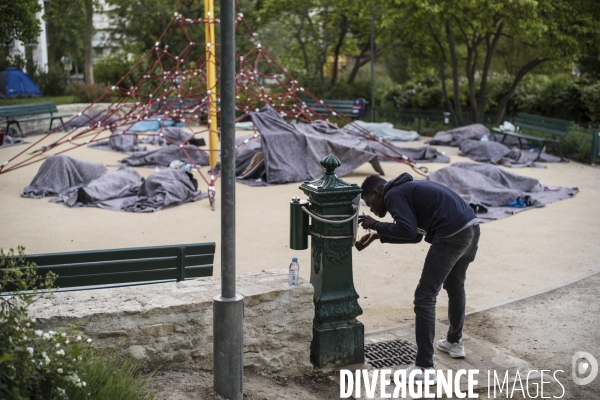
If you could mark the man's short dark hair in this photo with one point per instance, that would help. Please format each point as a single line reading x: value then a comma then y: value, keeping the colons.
x: 370, y: 184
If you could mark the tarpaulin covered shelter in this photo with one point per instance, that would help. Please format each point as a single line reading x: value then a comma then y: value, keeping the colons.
x: 15, y: 83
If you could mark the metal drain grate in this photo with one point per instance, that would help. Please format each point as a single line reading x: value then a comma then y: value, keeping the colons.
x: 390, y: 354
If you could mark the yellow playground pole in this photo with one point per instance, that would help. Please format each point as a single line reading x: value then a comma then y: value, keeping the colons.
x: 209, y: 13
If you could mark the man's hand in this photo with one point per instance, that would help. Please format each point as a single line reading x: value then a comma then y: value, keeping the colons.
x: 367, y: 222
x: 366, y: 240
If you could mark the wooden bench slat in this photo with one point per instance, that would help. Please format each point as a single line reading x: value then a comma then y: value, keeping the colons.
x: 542, y: 129
x: 198, y: 272
x: 109, y: 279
x: 127, y: 267
x: 27, y: 109
x: 119, y: 266
x: 557, y: 128
x: 12, y: 113
x: 542, y: 119
x: 118, y: 254
x: 109, y: 267
x: 343, y: 107
x: 199, y: 249
x: 525, y: 136
x: 200, y: 259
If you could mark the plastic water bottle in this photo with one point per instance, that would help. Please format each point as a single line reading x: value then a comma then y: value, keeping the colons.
x: 294, y: 271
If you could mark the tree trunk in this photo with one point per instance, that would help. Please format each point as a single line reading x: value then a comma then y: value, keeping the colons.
x: 443, y: 78
x: 338, y: 46
x: 89, y: 33
x: 513, y: 89
x: 490, y: 50
x: 470, y: 72
x: 359, y: 62
x: 455, y: 77
x: 303, y: 48
x: 302, y: 44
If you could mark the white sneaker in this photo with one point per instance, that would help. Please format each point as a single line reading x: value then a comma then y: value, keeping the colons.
x: 420, y: 375
x: 456, y: 350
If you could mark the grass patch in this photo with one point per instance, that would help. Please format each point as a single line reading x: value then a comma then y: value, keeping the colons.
x: 109, y: 378
x: 58, y: 100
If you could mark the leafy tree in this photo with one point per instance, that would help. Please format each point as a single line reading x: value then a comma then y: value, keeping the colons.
x: 66, y: 31
x: 18, y: 21
x: 467, y: 35
x: 140, y: 23
x: 313, y: 36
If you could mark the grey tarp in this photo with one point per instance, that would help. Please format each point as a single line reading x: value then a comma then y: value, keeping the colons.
x: 79, y: 183
x: 488, y: 189
x: 497, y: 153
x: 453, y: 137
x: 168, y: 135
x: 384, y: 130
x: 85, y: 120
x: 60, y: 173
x: 245, y: 151
x: 10, y: 141
x: 119, y: 142
x: 163, y: 157
x: 418, y: 154
x: 165, y: 188
x: 291, y: 153
x: 113, y: 190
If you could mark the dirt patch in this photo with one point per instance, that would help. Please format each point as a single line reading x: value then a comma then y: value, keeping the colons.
x: 546, y: 331
x: 193, y: 385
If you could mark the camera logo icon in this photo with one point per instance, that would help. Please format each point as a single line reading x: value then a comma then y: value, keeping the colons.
x: 585, y: 368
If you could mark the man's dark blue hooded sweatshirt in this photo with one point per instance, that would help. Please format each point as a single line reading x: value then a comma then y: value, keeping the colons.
x: 421, y: 208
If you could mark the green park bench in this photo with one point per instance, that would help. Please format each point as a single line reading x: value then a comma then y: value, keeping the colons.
x: 553, y: 130
x: 343, y: 107
x: 126, y: 267
x: 30, y: 112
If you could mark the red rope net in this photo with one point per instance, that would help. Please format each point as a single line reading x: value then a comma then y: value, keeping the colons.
x: 171, y: 85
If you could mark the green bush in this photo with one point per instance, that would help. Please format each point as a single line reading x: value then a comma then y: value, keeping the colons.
x: 53, y: 82
x: 109, y: 70
x: 41, y: 364
x: 424, y: 92
x: 16, y: 60
x: 559, y: 96
x: 110, y: 378
x: 341, y: 91
x: 34, y: 364
x: 88, y: 93
x: 577, y: 145
x: 591, y: 98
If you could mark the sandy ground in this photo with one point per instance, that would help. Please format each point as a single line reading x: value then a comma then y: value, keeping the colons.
x: 520, y: 255
x: 547, y: 330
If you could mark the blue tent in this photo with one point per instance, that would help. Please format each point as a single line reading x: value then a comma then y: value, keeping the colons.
x: 15, y: 83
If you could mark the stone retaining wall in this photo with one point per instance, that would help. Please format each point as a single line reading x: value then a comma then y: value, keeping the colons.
x: 170, y: 324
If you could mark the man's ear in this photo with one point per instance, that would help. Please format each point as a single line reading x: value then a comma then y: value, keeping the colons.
x: 377, y: 193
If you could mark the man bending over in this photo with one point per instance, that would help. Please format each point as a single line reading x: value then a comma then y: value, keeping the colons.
x: 427, y: 209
